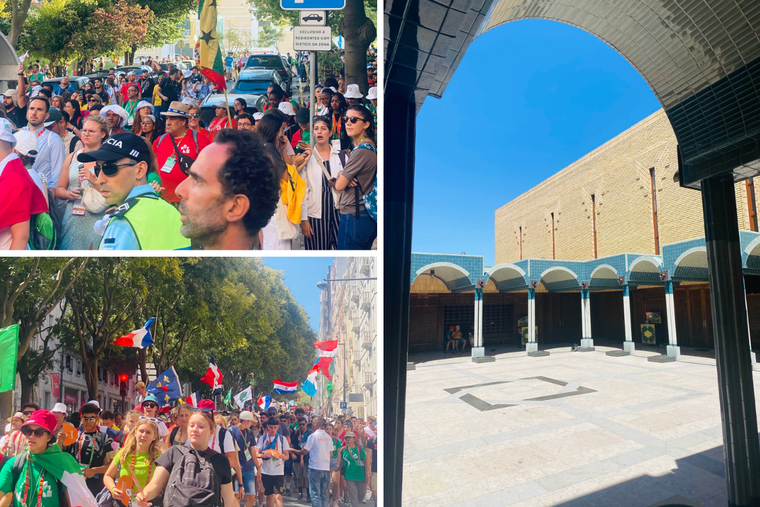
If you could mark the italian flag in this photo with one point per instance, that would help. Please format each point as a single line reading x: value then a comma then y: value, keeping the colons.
x: 210, y: 58
x: 65, y: 468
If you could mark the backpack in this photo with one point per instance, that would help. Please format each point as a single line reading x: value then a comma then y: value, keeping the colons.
x: 45, y: 228
x: 193, y: 481
x: 18, y: 466
x: 73, y: 143
x: 370, y: 198
x: 222, y: 434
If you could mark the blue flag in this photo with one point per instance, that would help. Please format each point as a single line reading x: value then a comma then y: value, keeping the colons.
x: 166, y: 387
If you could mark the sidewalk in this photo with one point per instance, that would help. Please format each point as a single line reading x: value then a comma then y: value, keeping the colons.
x: 573, y: 429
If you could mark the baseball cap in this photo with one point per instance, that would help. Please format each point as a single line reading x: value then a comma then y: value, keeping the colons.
x: 6, y: 132
x: 26, y: 143
x: 287, y: 108
x: 246, y: 415
x: 55, y: 116
x: 121, y: 145
x: 302, y: 115
x: 11, y: 92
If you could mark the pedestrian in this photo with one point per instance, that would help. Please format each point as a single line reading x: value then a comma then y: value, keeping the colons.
x: 372, y: 459
x: 335, y: 475
x: 357, y: 229
x: 170, y: 88
x: 176, y: 150
x: 194, y: 474
x: 13, y: 442
x: 240, y: 104
x: 136, y: 459
x: 300, y: 130
x: 141, y: 392
x: 20, y: 196
x: 194, y: 122
x: 247, y: 455
x: 230, y: 194
x: 300, y: 458
x: 221, y: 120
x: 319, y: 447
x: 178, y: 434
x: 91, y: 447
x: 229, y: 72
x: 50, y: 152
x: 357, y: 475
x: 274, y: 450
x: 75, y: 116
x: 32, y: 477
x: 372, y: 97
x: 122, y: 165
x: 245, y: 122
x: 100, y: 91
x: 353, y: 95
x: 130, y: 105
x: 116, y: 119
x: 142, y: 109
x: 150, y: 409
x: 151, y: 129
x: 80, y: 214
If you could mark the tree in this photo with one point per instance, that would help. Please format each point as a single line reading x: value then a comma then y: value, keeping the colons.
x: 354, y: 23
x: 31, y: 289
x: 167, y: 24
x: 19, y: 12
x: 104, y: 303
x: 49, y: 31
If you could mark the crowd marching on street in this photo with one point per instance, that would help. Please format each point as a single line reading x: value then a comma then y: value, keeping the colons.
x: 126, y: 162
x: 189, y: 454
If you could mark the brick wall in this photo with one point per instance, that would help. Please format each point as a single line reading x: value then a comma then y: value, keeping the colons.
x: 618, y: 175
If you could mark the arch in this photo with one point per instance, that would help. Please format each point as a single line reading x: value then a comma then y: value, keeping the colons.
x: 604, y: 276
x: 456, y: 278
x: 8, y: 61
x: 559, y: 278
x: 751, y: 255
x: 691, y: 265
x: 507, y: 277
x: 644, y: 269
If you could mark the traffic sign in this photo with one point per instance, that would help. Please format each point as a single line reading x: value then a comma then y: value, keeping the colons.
x: 343, y: 405
x: 323, y: 5
x: 312, y: 38
x: 312, y: 18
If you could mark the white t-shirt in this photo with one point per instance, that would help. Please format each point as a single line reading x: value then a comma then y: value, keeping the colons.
x: 273, y: 466
x: 229, y: 443
x: 320, y: 445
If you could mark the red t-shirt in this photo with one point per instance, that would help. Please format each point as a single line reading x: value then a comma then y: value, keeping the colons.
x: 219, y: 124
x: 124, y: 95
x: 164, y: 149
x: 20, y: 197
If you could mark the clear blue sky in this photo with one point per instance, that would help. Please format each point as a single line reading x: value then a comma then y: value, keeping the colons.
x: 301, y: 277
x: 529, y: 98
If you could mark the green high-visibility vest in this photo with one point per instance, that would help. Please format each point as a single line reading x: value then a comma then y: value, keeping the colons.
x: 155, y: 222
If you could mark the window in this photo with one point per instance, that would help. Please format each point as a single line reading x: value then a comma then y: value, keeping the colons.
x: 69, y: 366
x: 593, y: 223
x: 520, y: 232
x: 653, y: 183
x: 554, y: 250
x: 751, y: 204
x: 79, y: 368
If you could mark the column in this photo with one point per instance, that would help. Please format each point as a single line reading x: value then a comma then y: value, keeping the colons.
x: 587, y: 342
x: 397, y: 245
x: 752, y: 356
x: 477, y: 336
x: 628, y: 343
x: 531, y: 346
x: 735, y: 383
x: 673, y: 350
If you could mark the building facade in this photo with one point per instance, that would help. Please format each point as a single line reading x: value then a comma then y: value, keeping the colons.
x: 611, y: 248
x: 349, y: 315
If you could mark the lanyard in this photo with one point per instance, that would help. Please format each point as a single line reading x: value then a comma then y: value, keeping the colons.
x: 150, y: 468
x: 213, y: 442
x: 355, y: 458
x: 92, y: 449
x: 26, y: 486
x: 178, y: 437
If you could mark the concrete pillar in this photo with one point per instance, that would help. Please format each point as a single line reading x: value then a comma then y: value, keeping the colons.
x: 673, y: 350
x: 587, y: 342
x: 628, y: 343
x: 477, y: 336
x: 531, y: 346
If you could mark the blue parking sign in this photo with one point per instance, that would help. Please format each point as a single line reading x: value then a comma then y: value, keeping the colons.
x: 322, y: 5
x: 343, y: 405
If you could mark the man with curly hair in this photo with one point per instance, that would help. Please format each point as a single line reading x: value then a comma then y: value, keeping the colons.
x: 230, y: 193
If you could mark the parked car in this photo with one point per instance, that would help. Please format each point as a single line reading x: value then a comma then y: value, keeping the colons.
x: 273, y: 62
x: 257, y: 81
x: 79, y: 81
x: 254, y: 103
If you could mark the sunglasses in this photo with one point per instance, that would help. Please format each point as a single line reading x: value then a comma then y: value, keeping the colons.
x: 146, y: 418
x: 207, y: 410
x: 39, y: 432
x: 110, y: 169
x: 28, y: 412
x: 353, y: 119
x: 90, y: 419
x: 195, y: 115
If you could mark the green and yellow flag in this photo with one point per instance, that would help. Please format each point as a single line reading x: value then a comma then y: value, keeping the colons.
x: 209, y: 55
x: 8, y: 344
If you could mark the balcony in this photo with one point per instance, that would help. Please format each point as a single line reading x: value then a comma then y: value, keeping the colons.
x: 364, y: 266
x: 366, y: 300
x: 355, y: 296
x: 356, y: 323
x: 368, y: 380
x: 356, y: 356
x: 367, y: 339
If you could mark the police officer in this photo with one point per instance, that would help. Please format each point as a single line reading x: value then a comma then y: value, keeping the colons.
x: 140, y: 220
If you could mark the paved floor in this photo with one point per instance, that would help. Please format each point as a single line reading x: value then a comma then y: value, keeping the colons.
x: 571, y: 429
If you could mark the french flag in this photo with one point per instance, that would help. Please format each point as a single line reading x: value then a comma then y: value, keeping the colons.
x: 281, y: 387
x: 264, y: 402
x: 139, y: 338
x: 193, y: 399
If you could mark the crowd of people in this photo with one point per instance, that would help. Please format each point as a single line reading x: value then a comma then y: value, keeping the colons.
x: 127, y: 163
x: 186, y: 455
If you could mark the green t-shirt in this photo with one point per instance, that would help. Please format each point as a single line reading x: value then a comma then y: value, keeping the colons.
x: 142, y: 465
x: 336, y: 447
x: 354, y: 460
x: 49, y: 486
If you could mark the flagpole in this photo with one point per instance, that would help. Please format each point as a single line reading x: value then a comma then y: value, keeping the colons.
x: 227, y: 105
